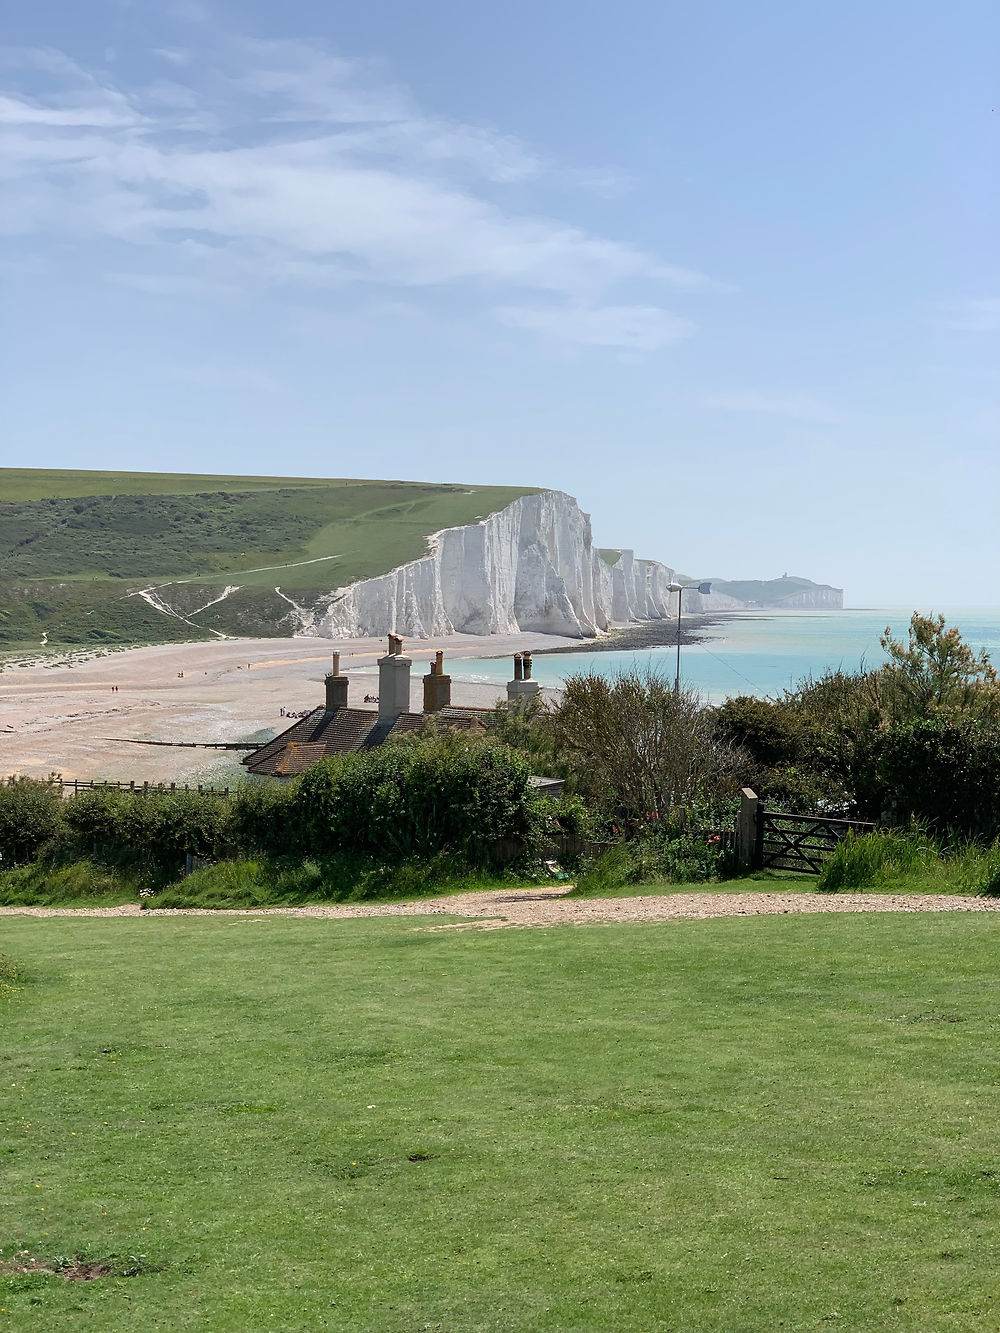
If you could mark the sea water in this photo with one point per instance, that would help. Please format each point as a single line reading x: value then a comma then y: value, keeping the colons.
x: 752, y: 652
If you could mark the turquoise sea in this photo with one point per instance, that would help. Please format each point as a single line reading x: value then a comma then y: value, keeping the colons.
x: 754, y: 652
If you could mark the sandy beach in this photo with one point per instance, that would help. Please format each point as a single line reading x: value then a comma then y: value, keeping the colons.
x: 64, y: 717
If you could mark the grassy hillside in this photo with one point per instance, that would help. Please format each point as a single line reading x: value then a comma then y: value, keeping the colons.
x: 76, y: 547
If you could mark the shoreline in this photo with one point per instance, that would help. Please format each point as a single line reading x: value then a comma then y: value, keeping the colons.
x: 644, y: 634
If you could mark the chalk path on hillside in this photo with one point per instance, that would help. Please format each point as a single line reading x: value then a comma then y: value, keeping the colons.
x: 501, y: 908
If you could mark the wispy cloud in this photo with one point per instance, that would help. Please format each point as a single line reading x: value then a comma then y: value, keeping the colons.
x: 285, y: 162
x: 791, y: 404
x: 981, y: 315
x: 632, y: 328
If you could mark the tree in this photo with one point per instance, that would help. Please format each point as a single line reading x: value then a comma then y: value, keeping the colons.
x: 937, y: 671
x: 642, y: 744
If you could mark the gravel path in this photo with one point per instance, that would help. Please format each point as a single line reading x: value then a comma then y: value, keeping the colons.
x: 499, y: 908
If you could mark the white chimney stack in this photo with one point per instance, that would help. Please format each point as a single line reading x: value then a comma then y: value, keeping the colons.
x: 394, y: 680
x: 522, y: 687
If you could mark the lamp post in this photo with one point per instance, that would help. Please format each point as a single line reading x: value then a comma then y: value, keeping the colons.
x: 679, y: 588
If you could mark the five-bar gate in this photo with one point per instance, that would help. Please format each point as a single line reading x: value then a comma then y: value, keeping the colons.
x: 770, y: 840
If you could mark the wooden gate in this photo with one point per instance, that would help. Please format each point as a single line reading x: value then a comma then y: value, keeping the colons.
x: 770, y: 840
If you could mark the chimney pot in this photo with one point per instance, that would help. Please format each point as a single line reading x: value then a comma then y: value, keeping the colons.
x: 522, y: 687
x: 437, y: 686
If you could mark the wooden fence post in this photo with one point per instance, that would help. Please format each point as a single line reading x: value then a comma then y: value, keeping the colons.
x: 746, y: 828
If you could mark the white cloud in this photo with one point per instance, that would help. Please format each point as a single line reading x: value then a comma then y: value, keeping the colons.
x: 976, y: 316
x: 13, y: 111
x: 633, y: 328
x: 284, y: 162
x: 792, y: 404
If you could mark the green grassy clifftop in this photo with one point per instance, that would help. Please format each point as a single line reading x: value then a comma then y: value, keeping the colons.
x: 78, y: 548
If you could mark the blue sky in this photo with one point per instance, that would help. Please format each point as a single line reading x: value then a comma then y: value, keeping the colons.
x: 728, y: 273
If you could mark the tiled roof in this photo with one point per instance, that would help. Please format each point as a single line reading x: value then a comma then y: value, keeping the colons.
x: 343, y: 730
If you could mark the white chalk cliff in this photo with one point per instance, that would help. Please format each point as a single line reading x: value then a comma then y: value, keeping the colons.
x: 529, y: 567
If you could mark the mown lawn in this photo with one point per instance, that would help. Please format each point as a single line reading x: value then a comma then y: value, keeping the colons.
x: 732, y: 1125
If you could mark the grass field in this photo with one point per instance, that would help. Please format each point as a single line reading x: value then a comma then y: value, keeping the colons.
x: 75, y: 547
x: 708, y: 1127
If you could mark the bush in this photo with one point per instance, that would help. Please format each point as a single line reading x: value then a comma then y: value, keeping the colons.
x: 941, y: 772
x: 30, y: 813
x: 155, y: 829
x: 438, y: 793
x: 639, y: 743
x: 110, y: 823
x: 568, y: 816
x: 182, y: 822
x: 680, y: 859
x: 261, y: 820
x: 772, y: 734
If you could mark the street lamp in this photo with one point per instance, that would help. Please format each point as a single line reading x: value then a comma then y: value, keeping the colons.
x: 678, y: 588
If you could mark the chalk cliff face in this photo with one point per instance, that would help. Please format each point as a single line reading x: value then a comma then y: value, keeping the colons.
x: 529, y: 567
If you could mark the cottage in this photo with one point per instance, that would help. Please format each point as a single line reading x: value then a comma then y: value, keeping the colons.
x: 337, y: 728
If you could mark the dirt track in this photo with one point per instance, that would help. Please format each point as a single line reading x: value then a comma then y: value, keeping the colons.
x: 501, y: 908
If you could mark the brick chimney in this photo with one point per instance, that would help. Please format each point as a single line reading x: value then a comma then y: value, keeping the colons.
x: 522, y: 687
x: 437, y: 687
x: 394, y: 680
x: 336, y: 687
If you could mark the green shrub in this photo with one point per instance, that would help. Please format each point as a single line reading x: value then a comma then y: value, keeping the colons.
x: 771, y: 733
x: 181, y: 822
x: 612, y: 869
x: 565, y: 815
x: 30, y: 814
x: 680, y: 859
x: 261, y: 820
x: 414, y: 800
x: 224, y: 884
x: 155, y: 829
x: 942, y: 772
x: 106, y: 822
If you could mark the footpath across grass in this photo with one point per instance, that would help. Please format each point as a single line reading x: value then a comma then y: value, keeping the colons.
x: 381, y: 1125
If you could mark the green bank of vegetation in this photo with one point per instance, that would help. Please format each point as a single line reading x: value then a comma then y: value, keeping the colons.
x: 378, y: 1127
x: 76, y: 549
x: 652, y: 778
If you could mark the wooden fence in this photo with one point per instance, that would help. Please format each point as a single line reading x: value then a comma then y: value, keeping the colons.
x: 71, y: 786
